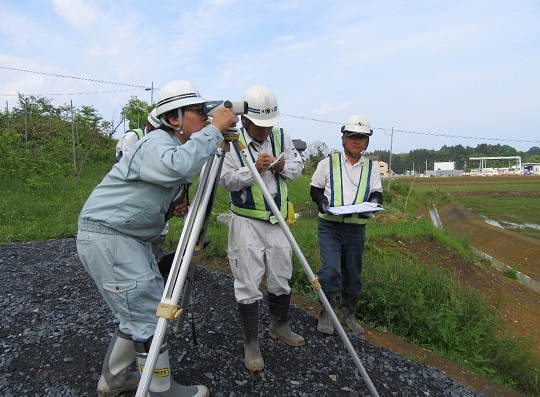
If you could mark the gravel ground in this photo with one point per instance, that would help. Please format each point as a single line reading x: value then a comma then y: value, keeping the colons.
x: 55, y: 330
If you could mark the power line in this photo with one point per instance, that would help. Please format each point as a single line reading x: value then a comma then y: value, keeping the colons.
x: 72, y: 77
x: 77, y: 93
x: 418, y: 133
x: 467, y: 137
x: 309, y: 118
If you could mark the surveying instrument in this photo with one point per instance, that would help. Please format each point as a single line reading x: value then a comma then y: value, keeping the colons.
x: 172, y: 308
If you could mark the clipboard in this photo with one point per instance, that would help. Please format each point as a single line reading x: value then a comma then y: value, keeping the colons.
x: 354, y: 209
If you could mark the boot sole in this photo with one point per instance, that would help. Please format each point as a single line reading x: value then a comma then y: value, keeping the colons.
x: 115, y: 393
x: 254, y: 369
x: 277, y: 337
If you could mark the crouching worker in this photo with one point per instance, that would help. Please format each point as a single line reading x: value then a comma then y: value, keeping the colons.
x: 123, y: 216
x: 344, y: 178
x: 257, y: 244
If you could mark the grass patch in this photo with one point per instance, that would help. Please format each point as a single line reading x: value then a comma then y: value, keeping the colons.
x: 511, y: 274
x: 46, y: 212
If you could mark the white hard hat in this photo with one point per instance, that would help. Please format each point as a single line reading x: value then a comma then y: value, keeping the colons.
x: 152, y: 119
x: 177, y: 94
x: 357, y: 124
x: 262, y: 106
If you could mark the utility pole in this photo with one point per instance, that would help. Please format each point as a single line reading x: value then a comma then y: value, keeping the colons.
x: 25, y: 122
x: 390, y: 159
x: 73, y: 133
x: 151, y: 89
x: 7, y: 114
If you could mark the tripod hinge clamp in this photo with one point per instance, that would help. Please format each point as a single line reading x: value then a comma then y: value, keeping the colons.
x: 170, y: 312
x: 315, y: 284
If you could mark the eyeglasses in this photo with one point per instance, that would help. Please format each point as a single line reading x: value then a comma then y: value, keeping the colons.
x: 198, y: 110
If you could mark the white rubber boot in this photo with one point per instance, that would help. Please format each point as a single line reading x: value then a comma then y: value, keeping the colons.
x: 162, y: 384
x: 115, y: 376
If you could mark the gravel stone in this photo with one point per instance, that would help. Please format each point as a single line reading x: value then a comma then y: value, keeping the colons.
x: 55, y: 330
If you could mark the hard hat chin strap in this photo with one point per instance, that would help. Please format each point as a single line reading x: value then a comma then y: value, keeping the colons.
x: 180, y: 123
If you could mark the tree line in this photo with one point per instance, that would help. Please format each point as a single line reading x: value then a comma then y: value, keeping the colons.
x: 419, y: 160
x: 38, y: 139
x: 424, y: 159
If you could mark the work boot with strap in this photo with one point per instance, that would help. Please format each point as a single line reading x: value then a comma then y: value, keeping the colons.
x: 324, y: 325
x: 348, y: 314
x: 162, y: 383
x: 249, y: 320
x: 278, y: 307
x: 116, y: 378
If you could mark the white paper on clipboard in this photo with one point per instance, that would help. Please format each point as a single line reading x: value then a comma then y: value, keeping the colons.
x: 354, y: 209
x: 276, y: 160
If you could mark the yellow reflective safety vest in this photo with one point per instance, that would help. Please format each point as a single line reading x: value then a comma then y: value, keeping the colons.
x: 256, y: 205
x: 336, y: 189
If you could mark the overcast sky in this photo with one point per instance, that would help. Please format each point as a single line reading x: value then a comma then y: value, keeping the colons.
x: 436, y: 72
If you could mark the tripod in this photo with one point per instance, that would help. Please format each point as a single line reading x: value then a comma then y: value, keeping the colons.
x: 191, y: 243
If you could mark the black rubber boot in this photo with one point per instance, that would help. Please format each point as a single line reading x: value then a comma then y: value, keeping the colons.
x: 278, y: 307
x: 348, y: 314
x: 116, y: 378
x: 162, y: 383
x: 249, y: 320
x: 324, y: 325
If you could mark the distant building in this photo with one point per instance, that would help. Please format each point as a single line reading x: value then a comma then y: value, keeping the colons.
x: 531, y: 168
x: 299, y: 145
x: 444, y: 166
x: 383, y: 167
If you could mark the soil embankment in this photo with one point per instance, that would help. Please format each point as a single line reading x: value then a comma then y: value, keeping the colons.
x: 518, y: 251
x: 517, y: 304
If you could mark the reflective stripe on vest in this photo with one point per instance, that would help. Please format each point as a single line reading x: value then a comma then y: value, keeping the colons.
x: 256, y: 205
x: 139, y: 132
x: 336, y: 189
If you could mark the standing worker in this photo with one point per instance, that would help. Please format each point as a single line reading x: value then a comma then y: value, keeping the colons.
x: 125, y: 213
x: 131, y: 137
x: 257, y: 244
x: 344, y: 178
